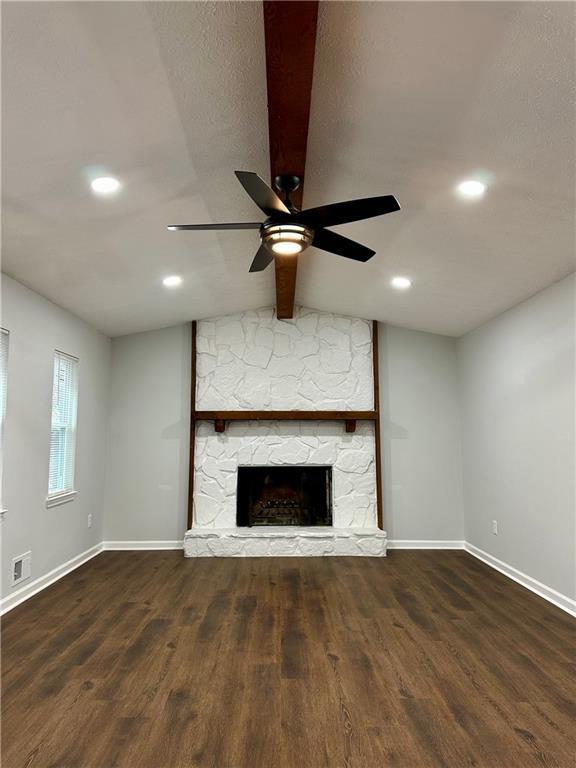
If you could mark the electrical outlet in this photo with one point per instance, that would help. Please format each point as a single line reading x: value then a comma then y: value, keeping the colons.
x: 21, y: 568
x: 89, y: 521
x: 495, y: 527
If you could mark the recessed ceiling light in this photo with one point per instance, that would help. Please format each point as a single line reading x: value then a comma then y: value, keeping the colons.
x: 105, y: 185
x: 173, y: 281
x: 401, y: 283
x: 471, y: 188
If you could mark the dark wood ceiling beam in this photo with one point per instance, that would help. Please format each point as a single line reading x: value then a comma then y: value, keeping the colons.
x: 290, y: 33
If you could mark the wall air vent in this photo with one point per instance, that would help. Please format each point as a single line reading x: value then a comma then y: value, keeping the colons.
x: 21, y: 568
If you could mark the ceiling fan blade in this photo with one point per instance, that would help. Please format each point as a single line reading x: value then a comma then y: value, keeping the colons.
x: 264, y: 197
x: 351, y: 210
x: 241, y: 225
x: 335, y: 243
x: 262, y: 259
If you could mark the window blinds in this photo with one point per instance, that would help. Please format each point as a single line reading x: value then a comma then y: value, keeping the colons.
x: 63, y: 433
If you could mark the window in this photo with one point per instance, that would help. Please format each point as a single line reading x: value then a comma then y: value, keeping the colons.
x: 4, y: 336
x: 63, y: 433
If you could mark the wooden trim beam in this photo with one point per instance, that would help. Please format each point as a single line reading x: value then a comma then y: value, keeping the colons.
x: 377, y: 435
x: 192, y: 425
x: 290, y: 35
x: 285, y: 416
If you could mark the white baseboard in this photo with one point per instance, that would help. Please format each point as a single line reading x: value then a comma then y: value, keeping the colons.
x: 25, y: 592
x: 129, y: 545
x: 424, y: 544
x: 551, y: 595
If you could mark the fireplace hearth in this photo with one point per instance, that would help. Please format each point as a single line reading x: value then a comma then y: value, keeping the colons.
x: 284, y: 496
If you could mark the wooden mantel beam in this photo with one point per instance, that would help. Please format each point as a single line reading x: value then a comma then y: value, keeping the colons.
x: 290, y: 34
x: 285, y: 415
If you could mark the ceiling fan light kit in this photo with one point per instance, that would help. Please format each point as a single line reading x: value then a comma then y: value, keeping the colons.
x: 287, y: 239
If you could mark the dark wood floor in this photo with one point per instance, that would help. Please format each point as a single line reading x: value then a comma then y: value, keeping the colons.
x: 146, y: 660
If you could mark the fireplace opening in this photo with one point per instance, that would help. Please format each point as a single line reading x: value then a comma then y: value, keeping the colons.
x: 294, y: 495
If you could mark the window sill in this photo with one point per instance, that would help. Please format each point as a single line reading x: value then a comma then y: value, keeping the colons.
x: 60, y: 498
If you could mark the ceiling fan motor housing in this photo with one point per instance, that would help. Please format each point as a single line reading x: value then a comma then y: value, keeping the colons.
x: 287, y: 183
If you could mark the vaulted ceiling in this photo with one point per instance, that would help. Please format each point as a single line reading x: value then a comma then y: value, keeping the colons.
x: 170, y: 97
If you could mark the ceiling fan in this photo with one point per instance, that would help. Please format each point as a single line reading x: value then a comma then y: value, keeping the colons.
x: 287, y: 231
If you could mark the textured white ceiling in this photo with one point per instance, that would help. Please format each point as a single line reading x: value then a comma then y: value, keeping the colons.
x: 408, y: 99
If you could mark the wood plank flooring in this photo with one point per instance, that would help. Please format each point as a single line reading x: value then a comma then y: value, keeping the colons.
x: 422, y: 659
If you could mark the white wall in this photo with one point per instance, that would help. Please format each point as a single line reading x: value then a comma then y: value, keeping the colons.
x: 38, y: 327
x: 146, y: 493
x: 517, y: 391
x: 147, y: 477
x: 420, y: 433
x: 516, y: 375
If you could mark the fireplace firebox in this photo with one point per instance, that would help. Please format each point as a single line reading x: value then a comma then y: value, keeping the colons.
x: 286, y: 495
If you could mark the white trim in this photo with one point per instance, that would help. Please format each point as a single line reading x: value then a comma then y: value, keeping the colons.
x: 62, y: 497
x: 551, y: 595
x: 424, y: 544
x: 68, y: 355
x: 17, y: 597
x: 150, y: 545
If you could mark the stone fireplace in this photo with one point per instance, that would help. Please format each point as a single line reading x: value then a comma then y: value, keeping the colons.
x: 284, y: 487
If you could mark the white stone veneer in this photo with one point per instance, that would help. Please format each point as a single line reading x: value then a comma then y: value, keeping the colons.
x: 252, y: 361
x: 317, y: 361
x: 284, y: 542
x: 351, y: 456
